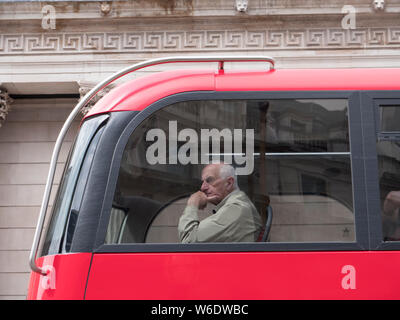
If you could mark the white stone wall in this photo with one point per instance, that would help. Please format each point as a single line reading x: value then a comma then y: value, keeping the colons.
x: 26, y: 142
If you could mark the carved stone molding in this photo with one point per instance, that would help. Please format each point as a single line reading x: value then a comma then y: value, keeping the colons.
x: 136, y: 9
x: 5, y: 105
x: 85, y: 87
x: 200, y: 41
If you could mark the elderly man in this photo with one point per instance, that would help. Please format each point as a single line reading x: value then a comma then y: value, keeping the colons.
x: 235, y: 218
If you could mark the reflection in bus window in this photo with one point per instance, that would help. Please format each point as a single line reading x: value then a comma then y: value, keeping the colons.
x: 291, y: 154
x: 389, y: 182
x: 390, y: 116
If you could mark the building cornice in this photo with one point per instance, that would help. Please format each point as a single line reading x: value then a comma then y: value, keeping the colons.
x: 86, y: 44
x: 26, y: 10
x: 200, y: 41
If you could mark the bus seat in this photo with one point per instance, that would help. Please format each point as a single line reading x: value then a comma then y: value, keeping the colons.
x: 140, y: 211
x: 264, y: 236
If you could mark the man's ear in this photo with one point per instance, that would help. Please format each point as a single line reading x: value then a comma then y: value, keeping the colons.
x: 230, y: 181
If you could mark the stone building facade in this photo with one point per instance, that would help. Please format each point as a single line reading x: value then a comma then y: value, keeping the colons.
x: 51, y: 52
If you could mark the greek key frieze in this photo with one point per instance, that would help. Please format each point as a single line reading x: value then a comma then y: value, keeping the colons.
x: 393, y: 36
x: 149, y: 41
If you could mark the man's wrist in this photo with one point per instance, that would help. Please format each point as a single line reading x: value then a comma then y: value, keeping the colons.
x: 193, y: 203
x: 194, y: 200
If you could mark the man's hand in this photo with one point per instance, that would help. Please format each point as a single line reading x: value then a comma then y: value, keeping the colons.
x: 199, y: 200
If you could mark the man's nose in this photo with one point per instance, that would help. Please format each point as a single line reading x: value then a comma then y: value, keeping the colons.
x: 204, y: 186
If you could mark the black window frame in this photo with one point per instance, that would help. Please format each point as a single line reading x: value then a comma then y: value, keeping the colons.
x: 357, y: 166
x: 371, y: 102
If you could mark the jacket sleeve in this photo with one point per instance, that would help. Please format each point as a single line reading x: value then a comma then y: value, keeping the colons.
x: 216, y: 228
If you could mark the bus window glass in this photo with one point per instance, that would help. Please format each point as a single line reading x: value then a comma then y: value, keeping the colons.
x: 78, y: 193
x: 61, y: 215
x: 291, y: 154
x: 390, y: 118
x: 388, y: 148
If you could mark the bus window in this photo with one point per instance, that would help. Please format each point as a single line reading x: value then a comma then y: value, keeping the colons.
x: 61, y: 228
x: 388, y: 148
x: 292, y: 154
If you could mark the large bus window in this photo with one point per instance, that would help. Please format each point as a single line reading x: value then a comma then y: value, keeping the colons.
x: 293, y: 155
x: 388, y: 147
x: 66, y: 208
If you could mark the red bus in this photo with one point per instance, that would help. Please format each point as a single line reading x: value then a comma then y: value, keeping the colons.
x: 317, y: 151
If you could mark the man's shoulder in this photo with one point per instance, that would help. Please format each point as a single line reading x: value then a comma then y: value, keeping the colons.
x: 239, y: 198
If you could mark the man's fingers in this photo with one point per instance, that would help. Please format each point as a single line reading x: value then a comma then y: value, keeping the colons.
x: 199, y: 199
x: 212, y: 198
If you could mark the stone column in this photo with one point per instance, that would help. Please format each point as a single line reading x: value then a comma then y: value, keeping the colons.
x: 85, y: 87
x: 5, y: 105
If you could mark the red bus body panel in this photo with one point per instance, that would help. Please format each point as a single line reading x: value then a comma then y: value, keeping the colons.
x: 65, y: 280
x: 136, y: 95
x: 140, y: 93
x: 247, y: 275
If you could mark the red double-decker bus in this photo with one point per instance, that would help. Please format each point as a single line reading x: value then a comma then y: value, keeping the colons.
x: 318, y: 152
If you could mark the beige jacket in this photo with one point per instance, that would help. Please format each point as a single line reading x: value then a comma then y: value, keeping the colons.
x: 235, y: 220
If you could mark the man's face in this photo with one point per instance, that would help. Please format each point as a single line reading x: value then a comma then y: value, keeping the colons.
x: 213, y: 185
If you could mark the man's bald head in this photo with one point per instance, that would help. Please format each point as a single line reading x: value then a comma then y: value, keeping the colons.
x: 218, y: 180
